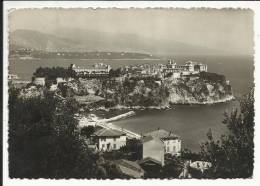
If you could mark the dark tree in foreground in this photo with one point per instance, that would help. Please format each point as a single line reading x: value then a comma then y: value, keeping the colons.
x: 233, y: 155
x: 44, y: 141
x: 87, y: 131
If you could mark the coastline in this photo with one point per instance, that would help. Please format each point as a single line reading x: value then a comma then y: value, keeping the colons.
x: 165, y: 107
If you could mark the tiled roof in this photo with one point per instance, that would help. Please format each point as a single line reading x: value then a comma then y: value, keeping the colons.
x: 147, y: 138
x: 130, y: 168
x: 162, y: 134
x: 149, y: 159
x: 108, y: 133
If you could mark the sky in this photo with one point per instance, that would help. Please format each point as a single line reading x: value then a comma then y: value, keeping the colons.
x: 228, y: 30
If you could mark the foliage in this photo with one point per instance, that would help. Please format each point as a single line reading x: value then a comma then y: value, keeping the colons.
x: 87, y: 131
x: 133, y: 149
x: 54, y: 72
x: 44, y: 141
x: 168, y: 75
x: 172, y: 167
x: 212, y: 77
x: 115, y: 73
x: 187, y: 154
x: 233, y: 155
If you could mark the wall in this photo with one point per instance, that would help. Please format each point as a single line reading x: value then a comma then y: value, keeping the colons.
x: 173, y: 145
x: 119, y: 142
x: 154, y: 149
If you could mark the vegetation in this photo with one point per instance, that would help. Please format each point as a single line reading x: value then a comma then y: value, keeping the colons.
x: 212, y: 77
x: 115, y: 73
x: 233, y: 155
x: 87, y: 131
x: 53, y: 73
x: 43, y: 139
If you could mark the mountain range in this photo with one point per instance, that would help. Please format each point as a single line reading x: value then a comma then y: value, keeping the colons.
x: 81, y: 40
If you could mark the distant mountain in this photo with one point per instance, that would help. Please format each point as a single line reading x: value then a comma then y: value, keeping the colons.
x: 41, y: 41
x: 77, y: 40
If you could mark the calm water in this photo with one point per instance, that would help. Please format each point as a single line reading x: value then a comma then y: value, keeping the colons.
x: 190, y: 122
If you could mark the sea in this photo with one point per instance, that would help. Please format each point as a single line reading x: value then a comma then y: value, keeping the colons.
x: 190, y: 122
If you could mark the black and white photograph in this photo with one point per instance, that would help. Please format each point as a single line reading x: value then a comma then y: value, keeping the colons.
x: 130, y: 93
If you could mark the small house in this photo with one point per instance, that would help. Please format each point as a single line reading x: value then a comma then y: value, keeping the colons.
x: 39, y: 81
x: 153, y: 148
x: 171, y: 142
x: 108, y: 139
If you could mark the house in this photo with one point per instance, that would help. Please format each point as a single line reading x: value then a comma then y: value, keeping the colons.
x: 53, y: 87
x: 129, y: 168
x: 108, y: 139
x: 151, y: 166
x: 153, y: 148
x: 98, y: 70
x: 60, y: 80
x: 201, y: 165
x: 194, y: 169
x: 171, y: 142
x: 39, y: 81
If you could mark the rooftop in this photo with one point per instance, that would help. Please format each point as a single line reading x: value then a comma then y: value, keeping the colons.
x: 149, y: 159
x: 161, y: 134
x: 130, y: 168
x: 108, y: 133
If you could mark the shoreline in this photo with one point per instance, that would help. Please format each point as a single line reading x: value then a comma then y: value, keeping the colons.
x: 166, y: 107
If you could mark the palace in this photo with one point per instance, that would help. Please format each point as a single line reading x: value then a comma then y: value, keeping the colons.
x: 98, y: 70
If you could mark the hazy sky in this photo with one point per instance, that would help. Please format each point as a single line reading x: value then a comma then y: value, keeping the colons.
x: 228, y: 30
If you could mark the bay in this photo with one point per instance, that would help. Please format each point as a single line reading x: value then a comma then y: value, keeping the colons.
x: 190, y: 122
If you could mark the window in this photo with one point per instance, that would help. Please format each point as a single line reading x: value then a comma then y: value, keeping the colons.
x: 114, y: 146
x: 114, y: 139
x: 174, y: 148
x: 168, y: 142
x: 103, y: 146
x: 103, y: 139
x: 168, y: 149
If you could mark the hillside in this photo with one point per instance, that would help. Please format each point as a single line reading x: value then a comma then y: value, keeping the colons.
x: 78, y: 40
x: 209, y: 88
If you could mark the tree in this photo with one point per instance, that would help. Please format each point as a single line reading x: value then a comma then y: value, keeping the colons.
x: 44, y: 141
x: 87, y: 131
x: 233, y: 155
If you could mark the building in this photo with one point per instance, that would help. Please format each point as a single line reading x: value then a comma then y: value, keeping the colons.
x: 200, y: 165
x: 108, y: 139
x: 171, y: 142
x: 98, y: 70
x: 151, y: 166
x: 60, y: 80
x: 12, y: 77
x: 188, y: 68
x: 39, y: 81
x: 153, y: 148
x: 129, y: 168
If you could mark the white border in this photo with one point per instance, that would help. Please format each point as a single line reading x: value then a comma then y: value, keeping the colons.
x: 127, y: 4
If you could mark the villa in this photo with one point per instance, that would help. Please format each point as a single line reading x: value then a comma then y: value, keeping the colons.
x: 170, y: 141
x: 98, y: 70
x: 108, y: 139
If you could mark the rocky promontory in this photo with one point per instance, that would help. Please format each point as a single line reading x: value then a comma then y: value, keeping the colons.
x: 203, y: 88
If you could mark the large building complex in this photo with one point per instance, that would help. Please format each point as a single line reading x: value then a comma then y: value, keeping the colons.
x: 163, y: 70
x: 98, y: 70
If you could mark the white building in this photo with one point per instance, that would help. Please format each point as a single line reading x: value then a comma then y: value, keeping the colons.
x: 108, y: 139
x: 189, y: 67
x: 153, y: 148
x: 60, y: 80
x: 99, y: 69
x: 39, y: 81
x: 171, y: 142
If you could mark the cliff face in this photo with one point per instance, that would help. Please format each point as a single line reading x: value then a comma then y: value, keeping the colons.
x: 204, y: 88
x: 198, y: 91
